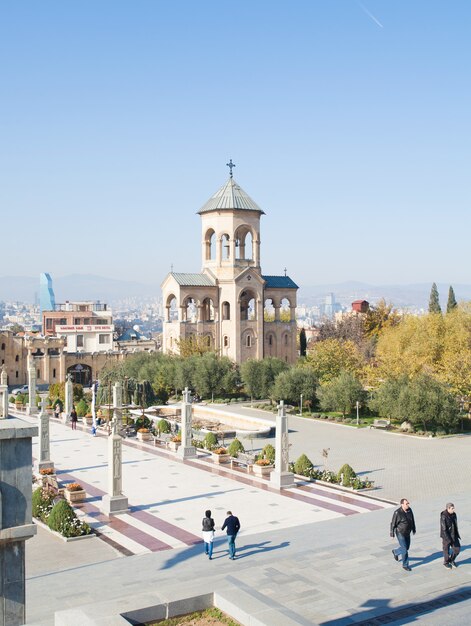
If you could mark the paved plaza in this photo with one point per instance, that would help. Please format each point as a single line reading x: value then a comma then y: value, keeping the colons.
x: 309, y: 555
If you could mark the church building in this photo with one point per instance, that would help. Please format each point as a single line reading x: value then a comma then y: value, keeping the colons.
x: 231, y: 306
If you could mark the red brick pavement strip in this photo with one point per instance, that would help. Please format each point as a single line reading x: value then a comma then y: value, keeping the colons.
x: 364, y: 504
x: 208, y: 466
x: 115, y: 523
x: 148, y: 518
x: 166, y: 527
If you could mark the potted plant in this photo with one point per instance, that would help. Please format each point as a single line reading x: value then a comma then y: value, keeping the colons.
x: 220, y: 455
x: 87, y: 419
x: 262, y: 467
x: 175, y: 442
x: 74, y: 492
x: 144, y: 434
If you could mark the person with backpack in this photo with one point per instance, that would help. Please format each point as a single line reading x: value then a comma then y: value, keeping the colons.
x: 208, y: 534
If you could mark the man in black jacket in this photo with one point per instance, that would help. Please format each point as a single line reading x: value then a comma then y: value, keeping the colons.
x: 232, y: 524
x: 450, y: 535
x: 402, y: 525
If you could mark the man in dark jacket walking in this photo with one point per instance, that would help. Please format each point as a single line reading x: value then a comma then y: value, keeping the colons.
x: 450, y: 535
x: 402, y: 525
x: 232, y: 524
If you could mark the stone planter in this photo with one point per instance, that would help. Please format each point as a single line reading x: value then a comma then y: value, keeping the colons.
x: 220, y: 458
x: 87, y: 421
x: 262, y: 470
x: 174, y: 445
x: 144, y: 436
x: 73, y: 497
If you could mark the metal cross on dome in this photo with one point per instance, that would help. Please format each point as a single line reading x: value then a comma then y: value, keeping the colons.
x: 230, y: 165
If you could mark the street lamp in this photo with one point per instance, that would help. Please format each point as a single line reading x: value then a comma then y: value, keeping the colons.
x: 301, y: 405
x: 358, y: 412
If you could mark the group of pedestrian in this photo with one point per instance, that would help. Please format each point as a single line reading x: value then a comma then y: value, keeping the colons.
x: 231, y: 526
x: 403, y: 525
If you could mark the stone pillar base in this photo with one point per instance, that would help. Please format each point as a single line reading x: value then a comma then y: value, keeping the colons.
x: 31, y: 410
x: 113, y: 505
x: 187, y: 453
x: 45, y: 465
x: 282, y: 480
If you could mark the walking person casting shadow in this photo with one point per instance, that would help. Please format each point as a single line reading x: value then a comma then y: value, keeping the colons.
x: 402, y: 524
x: 208, y: 534
x: 450, y: 536
x: 232, y: 524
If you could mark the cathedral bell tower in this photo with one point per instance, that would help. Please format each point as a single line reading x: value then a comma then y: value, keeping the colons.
x: 224, y: 304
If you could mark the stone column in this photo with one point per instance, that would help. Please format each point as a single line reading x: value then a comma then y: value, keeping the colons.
x: 118, y: 403
x: 114, y: 502
x: 281, y: 478
x: 31, y: 408
x: 15, y: 516
x: 44, y: 461
x: 69, y: 396
x: 186, y: 450
x: 3, y: 394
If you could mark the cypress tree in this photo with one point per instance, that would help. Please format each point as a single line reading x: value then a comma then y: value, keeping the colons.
x: 434, y: 301
x: 302, y: 342
x: 451, y: 304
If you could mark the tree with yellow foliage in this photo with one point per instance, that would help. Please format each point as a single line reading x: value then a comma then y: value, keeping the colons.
x: 330, y: 357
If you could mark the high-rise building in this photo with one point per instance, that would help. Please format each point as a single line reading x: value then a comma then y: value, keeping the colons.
x: 47, y: 300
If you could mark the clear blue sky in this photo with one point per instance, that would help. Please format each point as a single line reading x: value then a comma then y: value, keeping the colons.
x: 349, y: 123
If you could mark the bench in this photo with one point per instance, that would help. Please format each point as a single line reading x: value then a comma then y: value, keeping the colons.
x: 381, y: 423
x: 244, y: 459
x: 162, y: 441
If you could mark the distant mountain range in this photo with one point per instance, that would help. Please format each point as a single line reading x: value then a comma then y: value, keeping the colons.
x: 401, y: 296
x: 75, y: 287
x: 92, y: 287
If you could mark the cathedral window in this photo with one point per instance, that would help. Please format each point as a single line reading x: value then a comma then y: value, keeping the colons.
x: 226, y: 311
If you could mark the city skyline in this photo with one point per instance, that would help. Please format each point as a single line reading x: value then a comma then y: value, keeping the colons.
x: 348, y: 124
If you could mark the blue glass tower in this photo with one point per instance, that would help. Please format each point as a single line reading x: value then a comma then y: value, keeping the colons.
x: 47, y: 300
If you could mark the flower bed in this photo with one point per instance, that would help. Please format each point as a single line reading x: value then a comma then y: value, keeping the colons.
x: 57, y: 514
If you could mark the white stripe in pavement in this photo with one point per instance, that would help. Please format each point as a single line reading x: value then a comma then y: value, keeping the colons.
x: 119, y: 538
x: 154, y: 532
x: 122, y: 540
x: 330, y: 500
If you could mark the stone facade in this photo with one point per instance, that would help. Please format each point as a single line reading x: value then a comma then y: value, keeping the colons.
x: 231, y: 306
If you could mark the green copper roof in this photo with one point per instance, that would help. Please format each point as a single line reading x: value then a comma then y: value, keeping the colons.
x: 230, y: 197
x: 280, y: 282
x: 192, y: 280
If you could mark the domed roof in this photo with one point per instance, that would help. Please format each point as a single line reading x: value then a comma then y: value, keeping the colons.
x: 229, y: 197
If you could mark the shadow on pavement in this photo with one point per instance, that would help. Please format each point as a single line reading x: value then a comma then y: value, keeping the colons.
x: 376, y: 612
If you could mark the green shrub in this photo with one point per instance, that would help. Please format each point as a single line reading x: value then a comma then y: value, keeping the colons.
x: 163, y: 426
x: 11, y: 399
x: 268, y: 452
x: 303, y: 466
x: 81, y: 408
x: 235, y: 447
x: 210, y: 441
x: 42, y: 503
x: 345, y: 475
x: 63, y: 520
